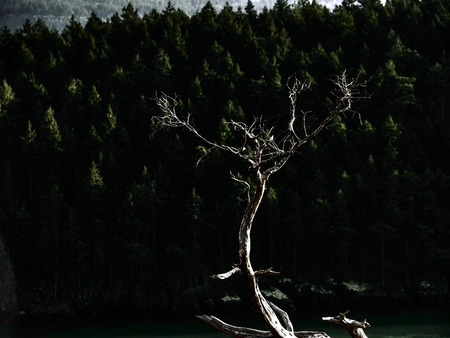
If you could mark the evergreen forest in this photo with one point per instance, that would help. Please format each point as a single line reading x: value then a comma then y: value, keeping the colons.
x: 103, y: 212
x: 56, y: 13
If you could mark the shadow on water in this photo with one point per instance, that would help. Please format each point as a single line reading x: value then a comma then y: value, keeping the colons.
x: 118, y: 328
x: 408, y: 325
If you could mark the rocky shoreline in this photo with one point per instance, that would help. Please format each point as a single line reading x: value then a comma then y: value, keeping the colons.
x: 292, y: 297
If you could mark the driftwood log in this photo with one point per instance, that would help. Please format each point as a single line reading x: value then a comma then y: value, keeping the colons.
x: 353, y: 327
x: 237, y: 331
x: 265, y: 154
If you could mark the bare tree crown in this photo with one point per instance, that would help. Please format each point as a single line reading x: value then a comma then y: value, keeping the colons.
x: 264, y: 152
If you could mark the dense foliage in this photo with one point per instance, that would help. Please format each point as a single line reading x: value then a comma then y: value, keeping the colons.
x: 96, y: 212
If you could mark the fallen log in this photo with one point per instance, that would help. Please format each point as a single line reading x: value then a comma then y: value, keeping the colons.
x: 245, y: 332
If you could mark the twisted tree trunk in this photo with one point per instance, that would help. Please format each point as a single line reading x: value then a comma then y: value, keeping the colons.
x: 261, y: 304
x: 267, y: 310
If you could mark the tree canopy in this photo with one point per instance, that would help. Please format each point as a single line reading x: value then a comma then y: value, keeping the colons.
x: 95, y: 212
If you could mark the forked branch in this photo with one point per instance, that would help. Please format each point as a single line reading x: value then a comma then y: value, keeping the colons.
x: 260, y: 148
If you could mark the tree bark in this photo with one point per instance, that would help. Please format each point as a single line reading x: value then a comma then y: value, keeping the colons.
x: 261, y: 304
x: 353, y: 327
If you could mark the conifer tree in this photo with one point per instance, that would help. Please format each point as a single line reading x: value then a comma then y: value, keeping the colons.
x: 7, y: 97
x: 51, y: 129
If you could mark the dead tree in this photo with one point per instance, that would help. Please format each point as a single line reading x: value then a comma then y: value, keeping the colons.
x: 265, y: 154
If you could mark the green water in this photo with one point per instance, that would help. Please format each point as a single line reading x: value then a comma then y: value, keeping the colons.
x: 412, y: 325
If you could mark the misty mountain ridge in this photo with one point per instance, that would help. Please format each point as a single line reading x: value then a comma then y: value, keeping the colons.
x: 57, y: 13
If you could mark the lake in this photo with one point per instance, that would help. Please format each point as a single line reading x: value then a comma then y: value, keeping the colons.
x: 408, y: 325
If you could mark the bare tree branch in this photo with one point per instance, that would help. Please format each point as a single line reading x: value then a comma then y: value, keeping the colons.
x: 353, y: 327
x: 247, y: 185
x: 283, y: 314
x: 296, y: 87
x: 225, y: 275
x: 266, y: 272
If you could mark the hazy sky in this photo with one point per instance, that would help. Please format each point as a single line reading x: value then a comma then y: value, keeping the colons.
x: 333, y: 3
x: 328, y: 3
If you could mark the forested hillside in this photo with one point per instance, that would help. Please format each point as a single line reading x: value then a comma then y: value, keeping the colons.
x: 56, y: 13
x: 99, y: 211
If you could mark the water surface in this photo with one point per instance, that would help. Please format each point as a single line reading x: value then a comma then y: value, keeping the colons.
x: 408, y: 325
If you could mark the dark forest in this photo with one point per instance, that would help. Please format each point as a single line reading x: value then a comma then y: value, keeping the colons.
x: 101, y: 212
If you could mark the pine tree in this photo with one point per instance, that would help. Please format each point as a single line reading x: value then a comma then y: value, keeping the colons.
x: 51, y: 130
x: 7, y: 97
